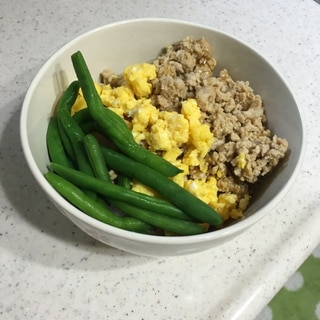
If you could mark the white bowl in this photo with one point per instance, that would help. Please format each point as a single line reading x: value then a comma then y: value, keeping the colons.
x: 120, y: 44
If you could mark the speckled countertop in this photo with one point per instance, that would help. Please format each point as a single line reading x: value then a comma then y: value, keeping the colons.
x: 49, y: 269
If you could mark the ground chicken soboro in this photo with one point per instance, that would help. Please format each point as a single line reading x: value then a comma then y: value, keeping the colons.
x: 243, y: 148
x: 235, y: 114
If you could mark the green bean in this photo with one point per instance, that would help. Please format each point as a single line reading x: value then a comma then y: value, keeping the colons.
x: 73, y: 130
x: 71, y: 127
x: 92, y: 208
x: 92, y: 127
x: 82, y: 116
x: 115, y: 192
x: 170, y: 190
x: 85, y: 121
x: 177, y: 226
x: 96, y: 158
x: 123, y: 181
x: 66, y: 126
x: 66, y: 141
x: 113, y: 125
x: 54, y: 144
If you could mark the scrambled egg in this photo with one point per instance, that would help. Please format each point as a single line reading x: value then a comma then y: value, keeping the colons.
x: 241, y: 160
x: 137, y: 76
x: 181, y: 138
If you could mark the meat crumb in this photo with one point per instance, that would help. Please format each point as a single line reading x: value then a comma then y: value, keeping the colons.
x: 235, y: 114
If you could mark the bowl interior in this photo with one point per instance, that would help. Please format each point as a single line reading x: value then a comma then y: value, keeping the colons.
x: 118, y: 45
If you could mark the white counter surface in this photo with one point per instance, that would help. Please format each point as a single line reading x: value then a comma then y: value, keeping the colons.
x: 49, y: 269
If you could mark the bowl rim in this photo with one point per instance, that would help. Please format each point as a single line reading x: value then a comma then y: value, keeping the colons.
x: 129, y: 235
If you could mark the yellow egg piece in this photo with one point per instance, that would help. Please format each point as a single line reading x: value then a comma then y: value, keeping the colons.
x: 181, y: 178
x: 138, y: 76
x: 119, y: 100
x: 139, y: 187
x: 241, y: 160
x: 143, y: 115
x: 204, y: 189
x: 200, y: 134
x: 159, y: 136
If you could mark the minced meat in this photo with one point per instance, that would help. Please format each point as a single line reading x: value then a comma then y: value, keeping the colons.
x: 234, y: 112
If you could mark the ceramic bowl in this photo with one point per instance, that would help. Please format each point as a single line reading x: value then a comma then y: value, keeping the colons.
x: 121, y: 44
